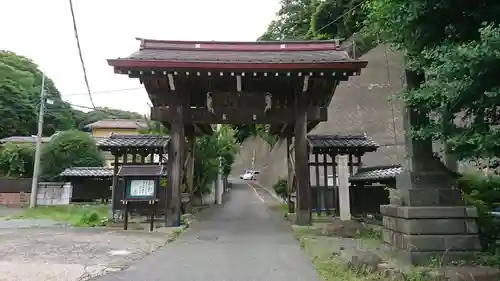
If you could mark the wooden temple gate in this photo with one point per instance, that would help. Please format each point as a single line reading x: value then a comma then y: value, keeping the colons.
x: 287, y: 85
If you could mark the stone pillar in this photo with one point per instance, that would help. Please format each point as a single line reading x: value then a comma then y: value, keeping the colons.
x: 344, y: 198
x: 426, y: 217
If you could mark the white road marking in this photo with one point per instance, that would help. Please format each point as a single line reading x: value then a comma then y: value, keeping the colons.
x: 256, y: 193
x: 119, y: 253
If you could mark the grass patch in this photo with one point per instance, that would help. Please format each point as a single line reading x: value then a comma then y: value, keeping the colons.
x: 75, y: 214
x: 330, y: 267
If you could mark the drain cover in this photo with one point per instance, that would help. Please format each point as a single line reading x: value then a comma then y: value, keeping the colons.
x: 207, y: 237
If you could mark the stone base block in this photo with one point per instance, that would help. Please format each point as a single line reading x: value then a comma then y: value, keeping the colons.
x: 428, y: 212
x: 439, y: 257
x: 429, y: 243
x: 443, y: 226
x: 422, y: 233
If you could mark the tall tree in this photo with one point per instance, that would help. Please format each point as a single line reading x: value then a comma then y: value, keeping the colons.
x: 314, y: 19
x: 20, y: 82
x: 454, y: 44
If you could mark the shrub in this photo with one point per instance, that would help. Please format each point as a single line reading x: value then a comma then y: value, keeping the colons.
x: 69, y: 149
x: 17, y: 160
x: 483, y: 192
x: 281, y: 188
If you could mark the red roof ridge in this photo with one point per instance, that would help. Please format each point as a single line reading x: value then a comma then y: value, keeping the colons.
x: 232, y: 46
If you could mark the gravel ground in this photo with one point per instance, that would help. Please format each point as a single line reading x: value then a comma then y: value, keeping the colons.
x: 30, y: 252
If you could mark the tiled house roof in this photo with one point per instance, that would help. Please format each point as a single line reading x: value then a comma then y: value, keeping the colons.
x: 88, y: 172
x: 134, y: 141
x: 23, y: 139
x: 116, y: 124
x: 376, y: 173
x: 342, y: 144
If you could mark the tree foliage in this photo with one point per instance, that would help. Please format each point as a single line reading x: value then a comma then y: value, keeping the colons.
x: 20, y: 85
x: 210, y: 150
x: 17, y: 160
x: 69, y: 149
x: 315, y: 19
x: 455, y: 44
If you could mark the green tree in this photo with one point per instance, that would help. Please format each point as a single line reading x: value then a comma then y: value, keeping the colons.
x: 17, y: 160
x: 69, y: 149
x: 453, y: 47
x: 314, y: 19
x: 20, y: 82
x: 210, y: 150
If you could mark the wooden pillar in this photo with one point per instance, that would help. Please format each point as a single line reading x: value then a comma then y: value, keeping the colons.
x: 303, y: 212
x: 291, y: 205
x: 190, y: 173
x: 178, y: 144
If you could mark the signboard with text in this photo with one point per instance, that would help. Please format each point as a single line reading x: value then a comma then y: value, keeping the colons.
x: 140, y: 189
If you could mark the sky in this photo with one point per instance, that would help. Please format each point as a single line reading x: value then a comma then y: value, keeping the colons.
x: 43, y: 32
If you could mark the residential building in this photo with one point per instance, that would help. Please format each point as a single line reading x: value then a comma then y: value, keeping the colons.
x: 105, y: 128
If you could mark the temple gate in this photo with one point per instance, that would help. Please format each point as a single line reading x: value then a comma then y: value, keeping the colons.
x: 286, y: 85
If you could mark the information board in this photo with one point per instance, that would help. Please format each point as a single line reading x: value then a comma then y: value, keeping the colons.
x: 142, y: 188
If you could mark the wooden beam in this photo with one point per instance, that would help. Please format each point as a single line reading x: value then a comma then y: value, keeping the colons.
x: 238, y: 115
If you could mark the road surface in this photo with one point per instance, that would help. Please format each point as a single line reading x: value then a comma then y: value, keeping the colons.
x: 241, y: 240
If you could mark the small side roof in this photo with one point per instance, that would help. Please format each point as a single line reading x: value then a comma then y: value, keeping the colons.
x: 341, y: 144
x: 90, y: 172
x: 376, y: 174
x: 117, y: 142
x: 142, y: 170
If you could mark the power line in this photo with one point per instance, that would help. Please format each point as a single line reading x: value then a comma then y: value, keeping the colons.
x: 341, y: 16
x: 80, y: 53
x: 105, y: 92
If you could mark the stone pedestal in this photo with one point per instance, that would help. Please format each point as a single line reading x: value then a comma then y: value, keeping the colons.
x: 421, y: 234
x: 427, y: 218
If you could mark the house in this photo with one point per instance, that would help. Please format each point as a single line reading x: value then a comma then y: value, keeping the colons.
x: 104, y: 128
x: 22, y: 140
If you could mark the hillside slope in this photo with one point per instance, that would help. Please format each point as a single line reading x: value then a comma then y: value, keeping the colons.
x: 361, y: 105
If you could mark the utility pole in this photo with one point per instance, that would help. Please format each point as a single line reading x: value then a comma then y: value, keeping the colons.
x: 36, y: 168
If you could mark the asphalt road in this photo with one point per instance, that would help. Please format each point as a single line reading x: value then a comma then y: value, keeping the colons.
x: 241, y: 240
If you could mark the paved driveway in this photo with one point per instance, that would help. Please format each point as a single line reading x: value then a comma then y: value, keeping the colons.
x: 238, y: 241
